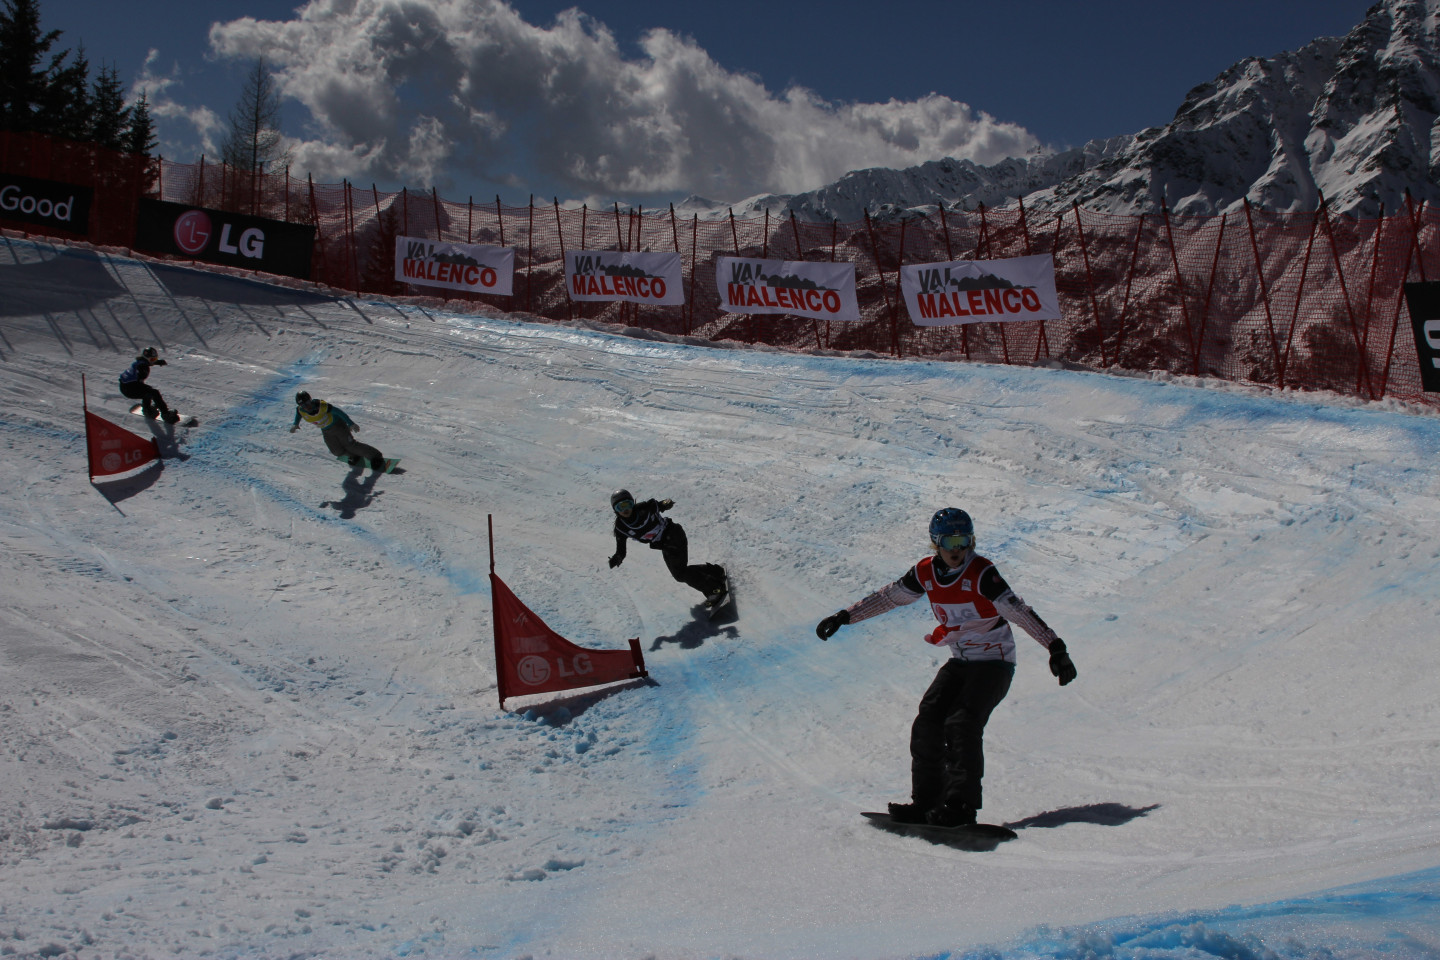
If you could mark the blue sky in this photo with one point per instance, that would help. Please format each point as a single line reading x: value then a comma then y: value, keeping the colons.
x: 714, y: 110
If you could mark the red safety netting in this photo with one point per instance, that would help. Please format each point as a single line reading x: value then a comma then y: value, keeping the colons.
x: 1303, y: 300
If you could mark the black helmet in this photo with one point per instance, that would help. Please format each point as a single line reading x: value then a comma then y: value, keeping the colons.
x: 619, y: 497
x: 149, y: 353
x: 302, y: 398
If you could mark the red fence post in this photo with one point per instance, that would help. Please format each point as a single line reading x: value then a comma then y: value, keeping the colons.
x: 530, y: 256
x: 1090, y: 283
x: 560, y: 231
x: 1209, y: 292
x: 1129, y: 283
x: 1363, y: 375
x: 694, y: 255
x: 1180, y: 289
x: 1264, y: 296
x: 1300, y: 291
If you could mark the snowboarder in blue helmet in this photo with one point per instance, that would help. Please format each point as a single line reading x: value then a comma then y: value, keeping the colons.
x: 975, y: 607
x: 644, y: 520
x: 133, y: 385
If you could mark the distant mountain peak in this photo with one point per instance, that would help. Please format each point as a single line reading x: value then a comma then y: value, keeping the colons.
x: 1355, y: 119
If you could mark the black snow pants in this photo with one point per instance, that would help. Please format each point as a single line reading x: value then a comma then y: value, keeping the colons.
x: 674, y: 547
x: 947, y: 754
x: 151, y: 403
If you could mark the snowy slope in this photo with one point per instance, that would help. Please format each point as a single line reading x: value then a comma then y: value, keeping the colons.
x: 247, y: 702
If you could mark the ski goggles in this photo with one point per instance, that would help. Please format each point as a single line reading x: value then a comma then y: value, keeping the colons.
x: 955, y: 541
x: 625, y: 506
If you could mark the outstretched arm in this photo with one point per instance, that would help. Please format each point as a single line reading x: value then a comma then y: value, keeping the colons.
x: 887, y: 598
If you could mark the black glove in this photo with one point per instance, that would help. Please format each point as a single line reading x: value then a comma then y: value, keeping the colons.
x: 827, y: 627
x: 1060, y: 664
x: 615, y: 560
x: 157, y: 363
x: 665, y: 504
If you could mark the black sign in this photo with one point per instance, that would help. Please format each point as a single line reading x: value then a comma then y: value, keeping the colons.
x: 1424, y: 302
x: 232, y: 239
x: 45, y: 203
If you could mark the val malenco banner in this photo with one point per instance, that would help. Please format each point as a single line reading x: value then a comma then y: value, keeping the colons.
x: 470, y: 267
x: 975, y: 291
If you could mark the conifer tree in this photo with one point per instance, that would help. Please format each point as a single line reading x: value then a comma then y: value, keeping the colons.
x: 140, y: 132
x: 25, y: 80
x: 109, y: 117
x: 66, y: 111
x: 254, y: 142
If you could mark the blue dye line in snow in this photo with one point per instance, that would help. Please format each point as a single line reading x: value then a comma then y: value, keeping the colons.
x: 212, y: 450
x: 1394, y: 917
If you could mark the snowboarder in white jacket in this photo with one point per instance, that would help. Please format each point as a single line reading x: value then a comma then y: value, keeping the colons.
x: 644, y: 521
x: 975, y: 607
x: 336, y: 430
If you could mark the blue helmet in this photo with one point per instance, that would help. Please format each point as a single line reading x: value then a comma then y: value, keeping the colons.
x: 952, y: 524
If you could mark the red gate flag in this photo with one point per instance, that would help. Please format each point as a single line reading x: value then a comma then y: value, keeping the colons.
x: 532, y: 658
x: 113, y: 449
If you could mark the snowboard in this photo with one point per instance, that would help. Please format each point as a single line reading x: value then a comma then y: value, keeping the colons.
x: 976, y: 837
x: 182, y: 422
x: 364, y: 464
x: 722, y: 603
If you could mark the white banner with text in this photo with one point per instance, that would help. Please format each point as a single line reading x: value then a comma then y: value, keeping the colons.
x: 825, y: 291
x: 455, y: 266
x: 975, y: 291
x: 635, y: 277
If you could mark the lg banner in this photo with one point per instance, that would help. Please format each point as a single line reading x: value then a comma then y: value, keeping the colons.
x: 455, y: 266
x: 616, y: 275
x: 45, y: 203
x: 972, y: 291
x: 825, y: 291
x: 232, y: 239
x: 1423, y: 299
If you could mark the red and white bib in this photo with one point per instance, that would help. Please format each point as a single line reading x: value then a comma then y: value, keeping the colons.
x: 969, y: 624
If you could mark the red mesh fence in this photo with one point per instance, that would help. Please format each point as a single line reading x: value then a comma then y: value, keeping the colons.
x: 119, y: 180
x: 1304, y: 300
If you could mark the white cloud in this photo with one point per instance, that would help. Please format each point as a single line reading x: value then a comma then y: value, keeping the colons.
x: 450, y: 90
x: 159, y: 93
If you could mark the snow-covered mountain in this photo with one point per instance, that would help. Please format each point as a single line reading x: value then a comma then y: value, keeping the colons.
x: 1356, y: 119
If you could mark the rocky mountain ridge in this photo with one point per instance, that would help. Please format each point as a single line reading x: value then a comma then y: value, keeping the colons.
x: 1355, y: 119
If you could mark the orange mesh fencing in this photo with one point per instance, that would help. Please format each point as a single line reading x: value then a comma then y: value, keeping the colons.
x: 1299, y: 300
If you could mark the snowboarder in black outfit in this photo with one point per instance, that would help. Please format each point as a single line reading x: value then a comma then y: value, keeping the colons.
x: 133, y: 385
x: 973, y: 604
x: 335, y: 428
x: 643, y: 521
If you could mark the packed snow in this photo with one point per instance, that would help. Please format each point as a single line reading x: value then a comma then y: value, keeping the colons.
x: 248, y: 702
